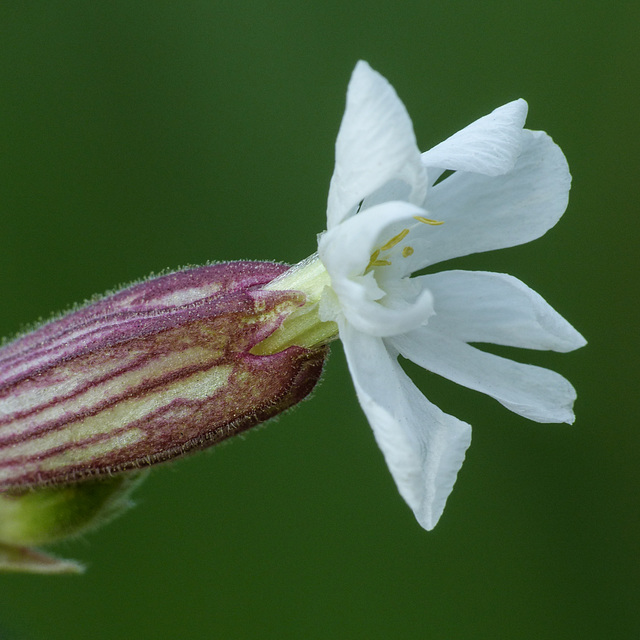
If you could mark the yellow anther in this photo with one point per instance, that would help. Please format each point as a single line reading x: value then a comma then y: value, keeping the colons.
x: 394, y: 241
x: 428, y: 220
x: 407, y: 251
x: 375, y: 261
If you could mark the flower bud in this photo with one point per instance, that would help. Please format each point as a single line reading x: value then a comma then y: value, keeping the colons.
x: 148, y: 373
x: 49, y: 514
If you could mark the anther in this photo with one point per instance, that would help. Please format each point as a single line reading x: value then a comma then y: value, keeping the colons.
x: 428, y: 220
x: 407, y: 251
x: 394, y: 241
x: 374, y: 262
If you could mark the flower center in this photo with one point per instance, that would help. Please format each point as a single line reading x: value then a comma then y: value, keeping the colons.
x: 376, y: 261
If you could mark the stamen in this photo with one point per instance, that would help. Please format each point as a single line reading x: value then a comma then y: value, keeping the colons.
x: 394, y: 241
x: 374, y: 262
x: 428, y: 220
x: 380, y: 263
x: 372, y: 259
x: 407, y: 251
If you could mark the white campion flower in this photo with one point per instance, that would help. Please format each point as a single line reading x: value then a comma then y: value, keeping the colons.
x: 387, y: 219
x: 182, y: 361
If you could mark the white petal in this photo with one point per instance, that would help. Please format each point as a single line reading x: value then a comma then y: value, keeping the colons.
x: 479, y: 306
x: 345, y: 251
x: 490, y: 145
x: 375, y: 145
x: 424, y: 448
x: 530, y: 391
x: 481, y: 213
x: 375, y: 318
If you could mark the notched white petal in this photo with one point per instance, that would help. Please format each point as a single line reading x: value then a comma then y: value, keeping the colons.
x: 375, y: 146
x: 424, y: 448
x: 378, y: 318
x: 480, y: 306
x: 489, y: 146
x: 532, y: 392
x: 482, y: 213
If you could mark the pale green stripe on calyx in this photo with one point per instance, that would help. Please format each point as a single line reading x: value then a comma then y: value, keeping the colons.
x: 303, y: 327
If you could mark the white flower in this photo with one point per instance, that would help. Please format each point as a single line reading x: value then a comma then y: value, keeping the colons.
x: 509, y: 186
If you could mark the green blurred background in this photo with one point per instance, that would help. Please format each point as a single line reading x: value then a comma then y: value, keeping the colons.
x: 142, y: 135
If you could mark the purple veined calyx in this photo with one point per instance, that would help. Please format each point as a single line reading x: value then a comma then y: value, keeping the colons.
x: 167, y: 366
x: 147, y: 374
